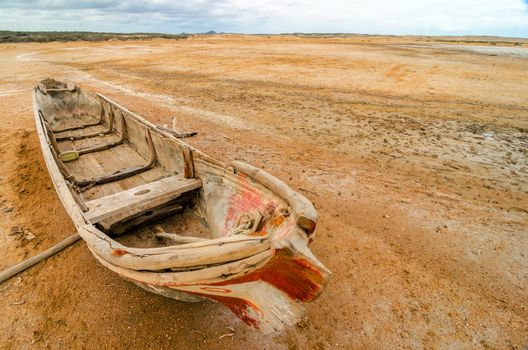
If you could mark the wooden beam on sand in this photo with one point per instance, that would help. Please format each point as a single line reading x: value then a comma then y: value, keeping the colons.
x: 13, y: 270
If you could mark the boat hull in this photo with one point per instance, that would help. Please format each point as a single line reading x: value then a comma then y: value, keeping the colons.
x: 264, y: 275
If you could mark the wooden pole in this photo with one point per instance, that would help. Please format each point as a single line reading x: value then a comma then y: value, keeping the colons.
x: 179, y: 239
x: 178, y: 135
x: 13, y: 270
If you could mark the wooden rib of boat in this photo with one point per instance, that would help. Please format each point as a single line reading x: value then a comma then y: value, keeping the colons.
x: 173, y: 220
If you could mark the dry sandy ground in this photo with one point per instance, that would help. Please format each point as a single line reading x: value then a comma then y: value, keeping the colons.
x: 414, y: 153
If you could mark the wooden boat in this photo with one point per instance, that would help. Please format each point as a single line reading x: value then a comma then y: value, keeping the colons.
x: 173, y: 220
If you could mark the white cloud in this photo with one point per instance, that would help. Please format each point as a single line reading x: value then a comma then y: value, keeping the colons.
x: 505, y: 17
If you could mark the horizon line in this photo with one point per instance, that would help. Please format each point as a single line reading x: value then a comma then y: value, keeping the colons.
x: 212, y: 32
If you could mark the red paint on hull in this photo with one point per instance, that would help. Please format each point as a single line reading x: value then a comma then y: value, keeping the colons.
x: 238, y: 306
x: 294, y: 276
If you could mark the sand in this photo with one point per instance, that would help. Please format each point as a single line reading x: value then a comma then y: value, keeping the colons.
x: 414, y: 153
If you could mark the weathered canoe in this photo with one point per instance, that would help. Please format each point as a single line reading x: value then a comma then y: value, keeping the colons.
x: 173, y: 220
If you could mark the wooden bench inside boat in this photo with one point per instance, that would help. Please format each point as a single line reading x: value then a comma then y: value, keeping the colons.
x: 127, y: 204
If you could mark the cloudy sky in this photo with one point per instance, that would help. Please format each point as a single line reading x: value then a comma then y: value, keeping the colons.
x: 446, y: 17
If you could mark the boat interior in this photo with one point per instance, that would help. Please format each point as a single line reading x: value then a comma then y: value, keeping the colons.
x: 128, y: 180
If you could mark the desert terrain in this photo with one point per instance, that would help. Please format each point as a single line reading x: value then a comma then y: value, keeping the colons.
x: 414, y: 151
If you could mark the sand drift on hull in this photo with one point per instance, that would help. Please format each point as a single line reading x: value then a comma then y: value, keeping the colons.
x: 173, y: 220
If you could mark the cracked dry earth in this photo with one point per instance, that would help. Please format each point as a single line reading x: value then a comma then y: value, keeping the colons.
x: 414, y: 153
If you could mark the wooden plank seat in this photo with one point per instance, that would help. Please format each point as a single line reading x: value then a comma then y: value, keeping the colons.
x: 109, y: 130
x: 99, y: 147
x: 77, y: 127
x: 78, y: 152
x: 126, y: 204
x: 69, y: 87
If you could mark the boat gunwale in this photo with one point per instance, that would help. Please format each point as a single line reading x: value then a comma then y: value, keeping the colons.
x: 211, y: 274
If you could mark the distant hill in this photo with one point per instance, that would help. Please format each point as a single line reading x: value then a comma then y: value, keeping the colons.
x: 7, y: 36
